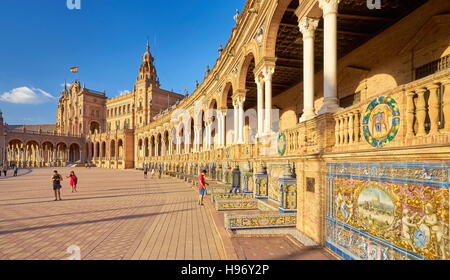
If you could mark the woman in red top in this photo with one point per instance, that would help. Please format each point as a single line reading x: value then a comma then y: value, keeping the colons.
x: 73, y: 181
x: 201, y: 187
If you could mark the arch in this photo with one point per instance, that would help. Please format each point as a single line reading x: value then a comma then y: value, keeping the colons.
x: 61, y: 152
x: 152, y: 146
x: 159, y: 145
x: 166, y: 142
x: 74, y: 153
x: 226, y: 95
x: 112, y: 149
x: 47, y: 151
x: 103, y: 150
x: 94, y: 127
x: 140, y: 148
x: 120, y: 151
x: 146, y: 147
x: 271, y: 30
x: 173, y: 141
x: 243, y: 70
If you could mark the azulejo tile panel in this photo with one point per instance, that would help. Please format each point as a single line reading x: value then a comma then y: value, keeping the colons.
x: 258, y: 221
x: 237, y: 204
x: 225, y: 196
x: 389, y: 210
x: 276, y: 171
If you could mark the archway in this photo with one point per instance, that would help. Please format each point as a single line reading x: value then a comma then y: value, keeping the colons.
x: 15, y: 152
x: 103, y: 153
x: 146, y: 147
x: 112, y: 150
x: 159, y: 145
x: 94, y: 127
x: 120, y: 151
x: 74, y: 153
x: 227, y: 102
x: 61, y: 151
x: 140, y: 148
x: 47, y: 152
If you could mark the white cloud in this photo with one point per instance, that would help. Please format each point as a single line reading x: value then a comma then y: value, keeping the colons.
x: 68, y: 85
x: 123, y: 92
x: 26, y: 95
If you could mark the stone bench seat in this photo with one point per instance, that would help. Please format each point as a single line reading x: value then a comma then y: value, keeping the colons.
x: 236, y: 204
x: 260, y: 221
x: 226, y: 196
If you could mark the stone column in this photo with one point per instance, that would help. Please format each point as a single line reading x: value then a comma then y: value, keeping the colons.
x: 308, y: 27
x: 421, y: 112
x: 240, y: 103
x: 433, y: 109
x: 268, y: 73
x: 222, y: 127
x: 197, y: 138
x: 410, y: 111
x: 446, y: 101
x: 208, y: 134
x: 95, y: 151
x: 236, y: 121
x: 330, y: 9
x: 55, y: 155
x: 260, y: 90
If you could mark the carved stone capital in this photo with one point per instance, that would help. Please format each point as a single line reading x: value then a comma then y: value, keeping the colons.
x: 329, y: 6
x: 267, y: 72
x: 308, y: 26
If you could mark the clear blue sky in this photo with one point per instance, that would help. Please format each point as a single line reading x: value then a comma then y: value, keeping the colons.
x: 41, y: 40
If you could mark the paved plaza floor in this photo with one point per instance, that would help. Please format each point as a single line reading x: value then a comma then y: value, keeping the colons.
x: 119, y: 215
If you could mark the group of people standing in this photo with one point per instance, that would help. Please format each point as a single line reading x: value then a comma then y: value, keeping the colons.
x: 57, y: 179
x: 4, y: 169
x: 153, y: 172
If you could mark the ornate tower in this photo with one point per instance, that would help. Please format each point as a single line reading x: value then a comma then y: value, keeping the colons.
x: 147, y: 80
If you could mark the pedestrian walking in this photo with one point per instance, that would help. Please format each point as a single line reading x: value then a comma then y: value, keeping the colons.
x: 145, y: 172
x: 16, y: 170
x: 153, y: 172
x: 5, y: 169
x: 160, y: 170
x: 73, y: 181
x: 57, y: 179
x: 201, y: 187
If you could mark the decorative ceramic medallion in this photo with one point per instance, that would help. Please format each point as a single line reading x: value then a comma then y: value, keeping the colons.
x: 281, y: 144
x: 381, y: 121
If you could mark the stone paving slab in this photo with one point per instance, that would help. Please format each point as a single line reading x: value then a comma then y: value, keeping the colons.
x: 115, y: 215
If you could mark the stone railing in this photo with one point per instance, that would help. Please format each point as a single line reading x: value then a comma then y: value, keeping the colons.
x: 417, y: 113
x: 348, y: 127
x: 304, y: 138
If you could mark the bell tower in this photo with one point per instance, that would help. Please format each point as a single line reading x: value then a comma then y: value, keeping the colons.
x: 147, y: 81
x: 147, y: 71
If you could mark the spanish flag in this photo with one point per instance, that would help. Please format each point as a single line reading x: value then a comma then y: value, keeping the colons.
x: 74, y: 69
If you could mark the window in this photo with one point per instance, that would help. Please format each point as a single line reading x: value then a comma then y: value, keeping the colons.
x: 433, y: 67
x: 350, y: 100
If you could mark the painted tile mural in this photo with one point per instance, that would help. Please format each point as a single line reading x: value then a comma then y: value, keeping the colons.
x: 387, y: 211
x: 275, y: 171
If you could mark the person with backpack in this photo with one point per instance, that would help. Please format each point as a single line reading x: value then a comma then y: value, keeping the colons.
x: 73, y: 181
x: 57, y: 179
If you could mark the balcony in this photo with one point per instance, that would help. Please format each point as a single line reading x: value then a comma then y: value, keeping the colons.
x: 409, y: 115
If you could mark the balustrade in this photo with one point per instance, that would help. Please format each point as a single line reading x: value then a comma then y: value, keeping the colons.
x: 348, y: 127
